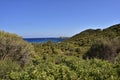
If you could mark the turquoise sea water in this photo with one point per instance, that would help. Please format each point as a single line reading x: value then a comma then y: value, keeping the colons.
x: 41, y: 40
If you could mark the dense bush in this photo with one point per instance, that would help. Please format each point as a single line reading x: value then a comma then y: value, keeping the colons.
x: 14, y: 48
x: 104, y: 49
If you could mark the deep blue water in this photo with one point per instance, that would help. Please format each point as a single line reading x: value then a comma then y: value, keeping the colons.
x: 41, y: 40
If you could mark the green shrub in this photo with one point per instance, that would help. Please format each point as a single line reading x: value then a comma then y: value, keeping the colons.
x: 96, y: 70
x: 15, y: 48
x: 104, y: 49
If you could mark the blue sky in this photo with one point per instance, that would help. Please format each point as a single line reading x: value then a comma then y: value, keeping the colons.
x: 54, y: 18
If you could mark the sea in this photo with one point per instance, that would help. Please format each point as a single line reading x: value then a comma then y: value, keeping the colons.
x: 43, y: 40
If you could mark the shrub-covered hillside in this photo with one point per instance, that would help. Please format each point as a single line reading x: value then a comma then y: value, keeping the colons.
x: 90, y: 55
x: 90, y: 36
x: 82, y: 42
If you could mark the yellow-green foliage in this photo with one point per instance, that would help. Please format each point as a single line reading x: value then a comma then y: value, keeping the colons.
x: 69, y: 69
x: 6, y: 67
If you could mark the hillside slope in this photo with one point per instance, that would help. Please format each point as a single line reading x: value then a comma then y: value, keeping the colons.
x: 90, y: 36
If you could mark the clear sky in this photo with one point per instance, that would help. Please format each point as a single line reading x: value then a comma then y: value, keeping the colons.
x: 54, y: 18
